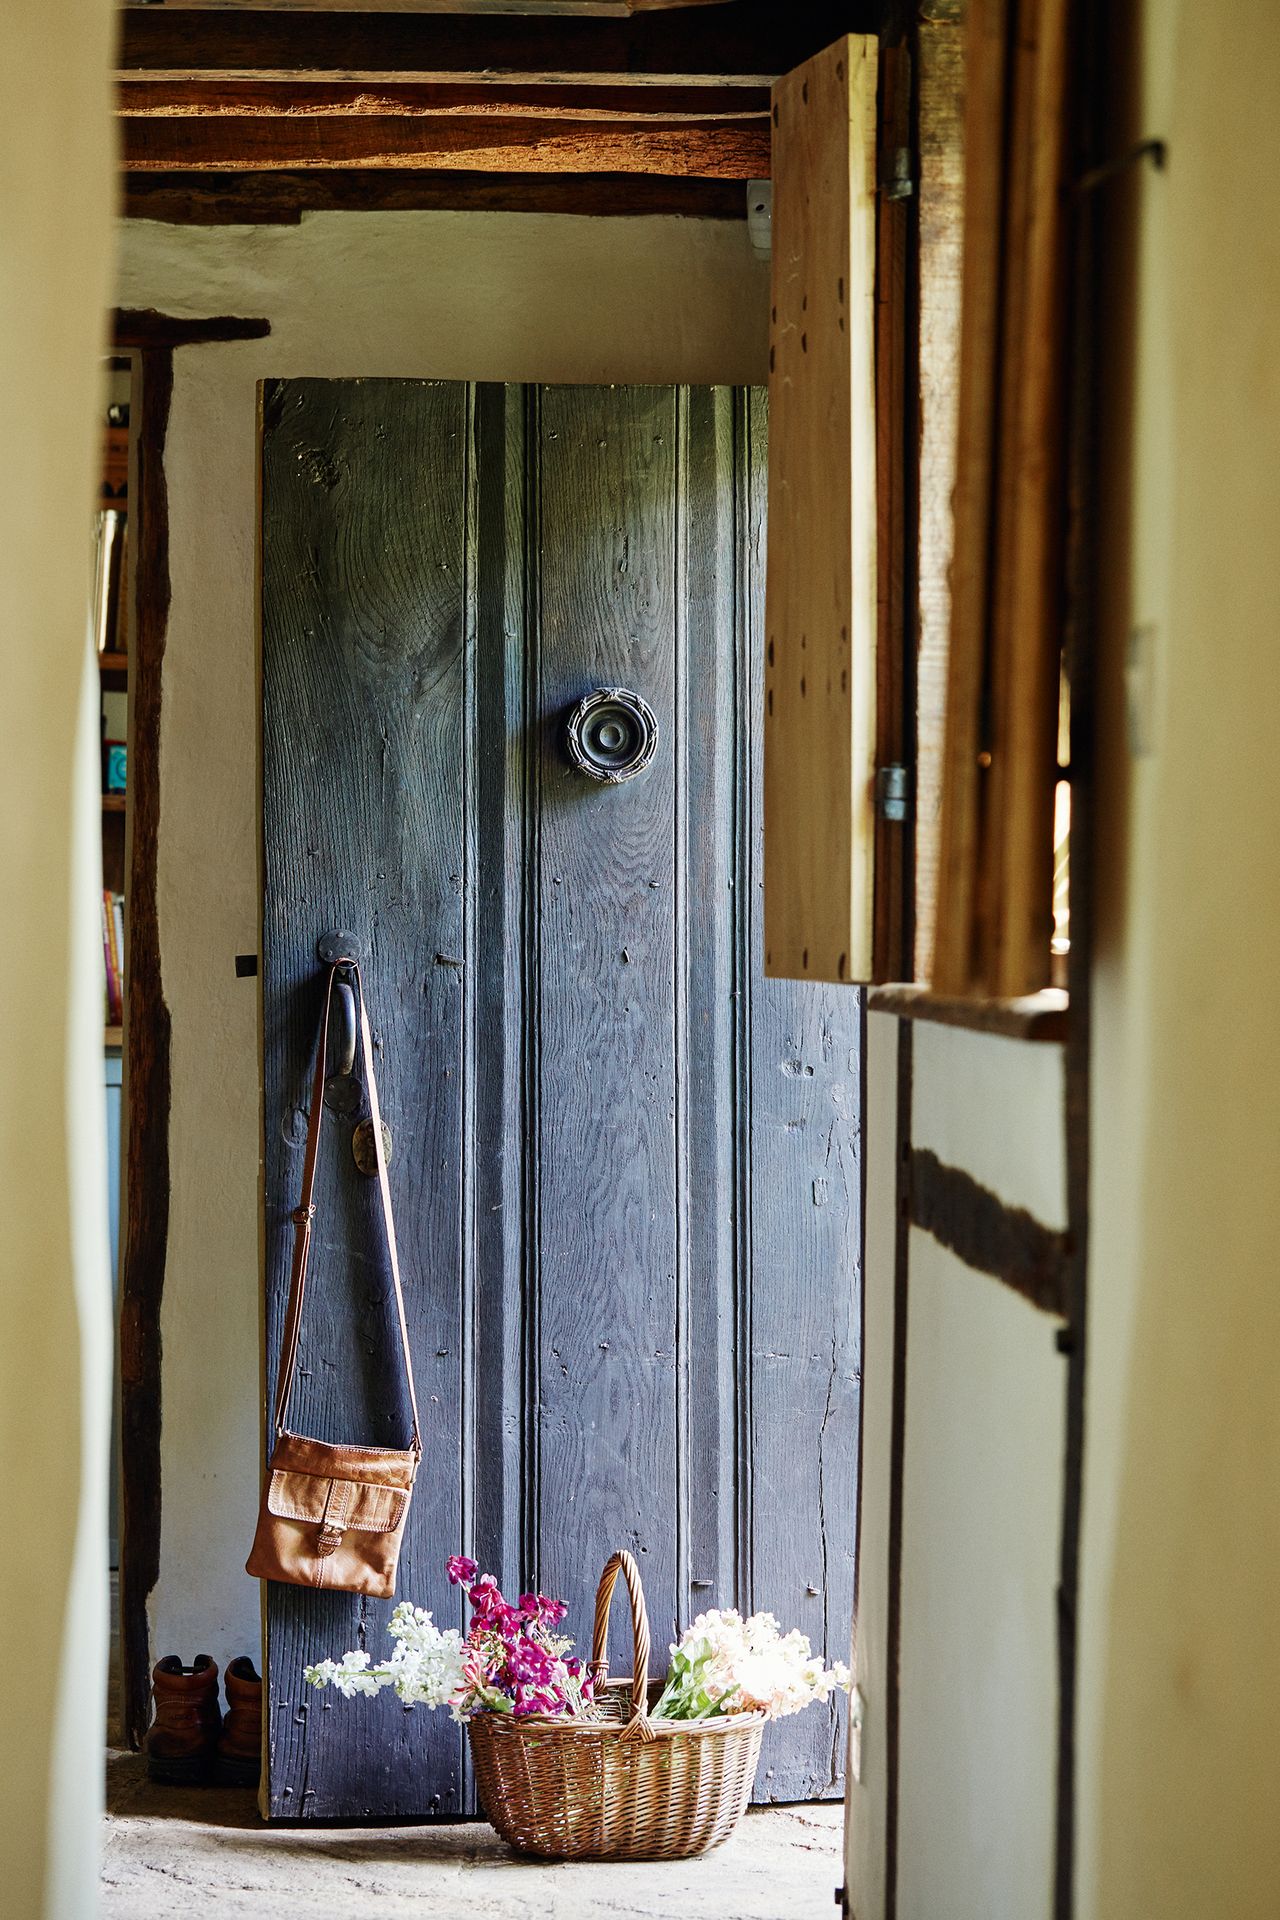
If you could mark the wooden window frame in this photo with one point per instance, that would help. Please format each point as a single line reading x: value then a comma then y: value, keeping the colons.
x: 918, y: 330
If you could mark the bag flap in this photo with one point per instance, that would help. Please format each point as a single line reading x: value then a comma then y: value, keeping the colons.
x: 372, y: 1466
x: 344, y: 1503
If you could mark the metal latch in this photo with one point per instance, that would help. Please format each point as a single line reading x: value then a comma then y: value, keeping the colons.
x: 899, y: 180
x: 893, y: 792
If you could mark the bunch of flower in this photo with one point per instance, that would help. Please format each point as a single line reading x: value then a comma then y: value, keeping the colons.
x: 520, y: 1664
x: 725, y: 1664
x: 512, y: 1660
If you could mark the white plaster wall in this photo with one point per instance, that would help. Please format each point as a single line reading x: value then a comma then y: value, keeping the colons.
x: 982, y: 1515
x: 1180, y: 1641
x: 56, y: 164
x: 982, y: 1500
x: 994, y: 1106
x: 450, y: 295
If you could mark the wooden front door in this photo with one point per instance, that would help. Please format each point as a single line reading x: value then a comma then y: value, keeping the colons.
x: 626, y: 1166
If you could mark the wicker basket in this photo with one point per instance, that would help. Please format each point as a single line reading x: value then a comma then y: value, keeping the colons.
x: 622, y: 1786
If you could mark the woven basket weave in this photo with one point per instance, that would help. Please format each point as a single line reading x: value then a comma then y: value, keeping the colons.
x: 621, y: 1786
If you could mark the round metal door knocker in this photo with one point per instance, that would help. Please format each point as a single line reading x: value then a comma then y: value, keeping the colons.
x: 613, y: 734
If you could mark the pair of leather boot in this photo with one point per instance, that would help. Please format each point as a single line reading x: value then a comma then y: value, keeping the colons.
x: 189, y: 1742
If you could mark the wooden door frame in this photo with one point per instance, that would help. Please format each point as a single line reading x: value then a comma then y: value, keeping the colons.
x: 150, y: 339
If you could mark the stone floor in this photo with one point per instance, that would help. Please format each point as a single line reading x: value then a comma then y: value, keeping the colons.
x: 203, y: 1852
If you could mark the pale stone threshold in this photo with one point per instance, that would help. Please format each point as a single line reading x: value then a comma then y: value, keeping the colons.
x: 200, y: 1852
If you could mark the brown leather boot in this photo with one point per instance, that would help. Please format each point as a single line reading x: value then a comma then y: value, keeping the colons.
x: 239, y: 1761
x: 184, y: 1734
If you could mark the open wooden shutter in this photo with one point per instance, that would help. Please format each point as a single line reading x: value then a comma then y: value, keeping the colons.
x: 995, y: 876
x: 820, y: 599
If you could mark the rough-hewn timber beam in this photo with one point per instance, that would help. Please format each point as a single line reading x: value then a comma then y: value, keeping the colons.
x: 725, y: 150
x: 216, y: 97
x: 281, y: 197
x: 747, y: 42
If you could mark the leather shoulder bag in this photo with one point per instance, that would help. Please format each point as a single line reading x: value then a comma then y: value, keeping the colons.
x: 333, y: 1516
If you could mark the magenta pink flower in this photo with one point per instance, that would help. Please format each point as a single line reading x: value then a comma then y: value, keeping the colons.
x: 513, y: 1652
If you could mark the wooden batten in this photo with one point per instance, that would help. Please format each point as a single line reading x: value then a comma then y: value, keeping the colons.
x: 1028, y: 769
x: 939, y: 198
x: 953, y: 954
x: 820, y: 675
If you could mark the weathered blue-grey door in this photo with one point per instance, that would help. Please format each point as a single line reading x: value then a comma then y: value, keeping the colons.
x: 626, y: 1167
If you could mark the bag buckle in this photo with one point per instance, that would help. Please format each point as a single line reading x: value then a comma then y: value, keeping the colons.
x: 336, y: 1508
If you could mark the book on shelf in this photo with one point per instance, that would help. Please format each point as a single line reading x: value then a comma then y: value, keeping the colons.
x: 110, y: 571
x: 113, y: 954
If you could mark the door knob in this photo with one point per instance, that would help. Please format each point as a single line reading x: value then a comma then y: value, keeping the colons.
x: 612, y: 734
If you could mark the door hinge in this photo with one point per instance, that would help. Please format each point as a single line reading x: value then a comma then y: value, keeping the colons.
x: 898, y: 181
x: 893, y: 792
x: 899, y: 175
x: 760, y: 216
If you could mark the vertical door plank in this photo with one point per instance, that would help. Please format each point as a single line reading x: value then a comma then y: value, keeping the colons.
x: 608, y: 1071
x: 501, y: 1404
x: 820, y: 686
x: 804, y: 1230
x: 363, y: 620
x: 722, y: 559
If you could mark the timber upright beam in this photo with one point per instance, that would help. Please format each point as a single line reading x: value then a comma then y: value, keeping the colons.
x: 820, y: 605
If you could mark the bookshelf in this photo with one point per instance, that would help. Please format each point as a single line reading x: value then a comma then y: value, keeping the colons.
x: 109, y: 613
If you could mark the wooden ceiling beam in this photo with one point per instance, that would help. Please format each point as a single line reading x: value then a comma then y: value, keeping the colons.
x: 551, y: 9
x: 723, y: 150
x: 280, y: 198
x: 742, y: 42
x: 218, y: 97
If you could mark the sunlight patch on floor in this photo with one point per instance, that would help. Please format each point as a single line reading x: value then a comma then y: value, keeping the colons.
x: 203, y: 1852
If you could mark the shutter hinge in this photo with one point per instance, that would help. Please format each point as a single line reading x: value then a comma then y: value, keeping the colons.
x: 893, y: 792
x: 898, y: 181
x: 760, y: 217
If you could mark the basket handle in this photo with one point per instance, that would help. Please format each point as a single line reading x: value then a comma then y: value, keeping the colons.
x: 622, y: 1562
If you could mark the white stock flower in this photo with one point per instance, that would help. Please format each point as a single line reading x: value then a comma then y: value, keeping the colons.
x: 425, y: 1668
x: 725, y: 1664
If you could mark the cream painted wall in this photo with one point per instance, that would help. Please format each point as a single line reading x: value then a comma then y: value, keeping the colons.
x: 1180, y: 1649
x: 457, y: 296
x: 982, y: 1516
x: 981, y: 1507
x: 56, y: 163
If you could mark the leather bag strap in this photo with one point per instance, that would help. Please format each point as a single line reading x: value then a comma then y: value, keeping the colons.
x: 305, y: 1212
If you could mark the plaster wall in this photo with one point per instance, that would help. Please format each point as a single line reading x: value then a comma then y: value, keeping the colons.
x: 447, y: 295
x: 1180, y: 1638
x: 982, y: 1475
x: 56, y: 164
